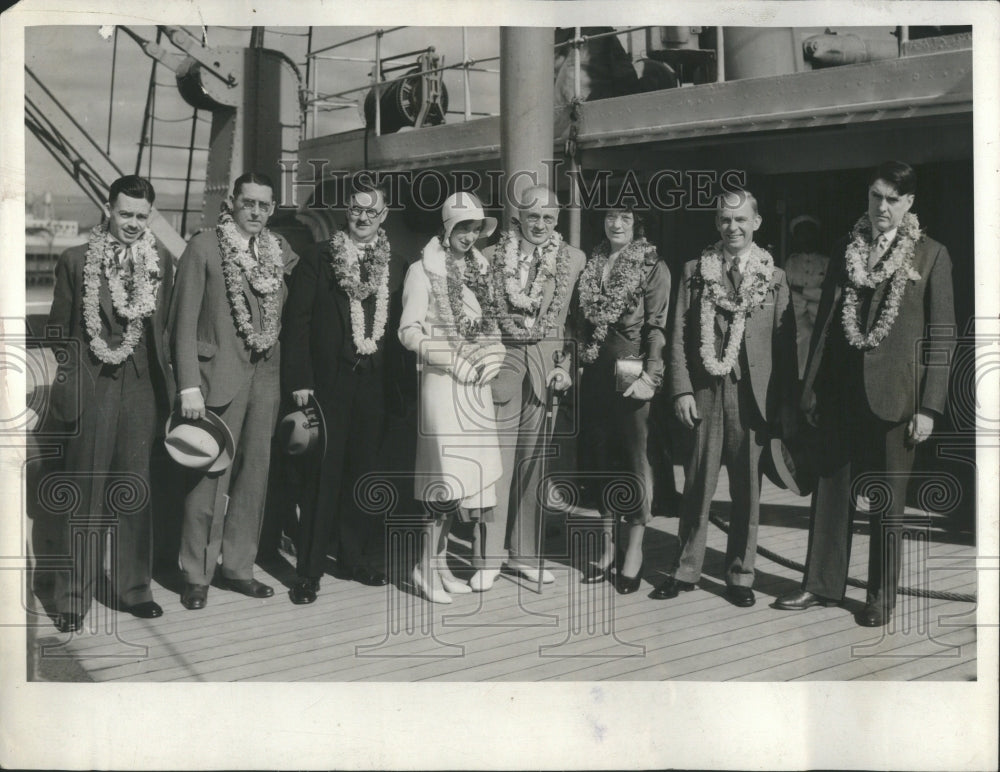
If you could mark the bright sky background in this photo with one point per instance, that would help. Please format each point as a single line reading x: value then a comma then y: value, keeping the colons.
x: 84, y: 88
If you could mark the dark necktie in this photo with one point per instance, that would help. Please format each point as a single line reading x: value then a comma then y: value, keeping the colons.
x: 735, y: 275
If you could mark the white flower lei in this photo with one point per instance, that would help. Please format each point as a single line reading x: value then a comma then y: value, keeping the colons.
x: 898, y: 265
x: 758, y: 268
x: 554, y: 262
x: 345, y: 259
x: 604, y: 307
x: 134, y: 308
x: 264, y: 274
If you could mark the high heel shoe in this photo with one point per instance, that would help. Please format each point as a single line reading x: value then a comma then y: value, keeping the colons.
x: 483, y: 579
x: 594, y: 574
x: 452, y: 584
x: 626, y: 585
x: 432, y: 594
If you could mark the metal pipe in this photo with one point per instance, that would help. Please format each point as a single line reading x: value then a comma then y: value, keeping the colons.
x: 111, y: 95
x: 720, y: 57
x: 465, y: 74
x: 598, y: 36
x: 378, y: 88
x: 187, y: 183
x: 576, y: 62
x: 573, y: 206
x: 376, y: 33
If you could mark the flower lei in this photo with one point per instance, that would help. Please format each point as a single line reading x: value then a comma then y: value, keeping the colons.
x: 345, y: 260
x: 603, y: 307
x: 898, y: 266
x: 507, y: 285
x: 134, y: 306
x: 265, y: 277
x: 758, y: 268
x: 446, y: 291
x: 468, y: 272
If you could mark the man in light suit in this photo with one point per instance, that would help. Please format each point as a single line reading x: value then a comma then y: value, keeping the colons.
x: 354, y: 388
x: 732, y: 390
x: 870, y: 390
x: 112, y: 386
x: 534, y: 274
x: 225, y: 320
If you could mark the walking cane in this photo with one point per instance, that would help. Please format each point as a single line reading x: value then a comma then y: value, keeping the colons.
x: 548, y: 429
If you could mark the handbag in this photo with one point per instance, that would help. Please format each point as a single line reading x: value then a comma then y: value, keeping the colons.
x: 627, y: 371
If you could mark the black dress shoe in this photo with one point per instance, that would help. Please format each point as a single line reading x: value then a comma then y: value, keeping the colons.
x: 740, y: 596
x: 626, y: 585
x: 69, y: 623
x: 370, y: 576
x: 801, y: 600
x: 873, y: 615
x: 671, y: 588
x: 593, y: 574
x: 249, y: 587
x: 149, y: 609
x: 194, y: 596
x: 304, y: 591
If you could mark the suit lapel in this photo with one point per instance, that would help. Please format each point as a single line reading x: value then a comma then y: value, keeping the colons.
x: 104, y: 296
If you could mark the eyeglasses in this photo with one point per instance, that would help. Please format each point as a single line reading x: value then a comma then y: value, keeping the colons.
x: 626, y: 217
x: 357, y: 211
x: 250, y: 205
x: 535, y: 219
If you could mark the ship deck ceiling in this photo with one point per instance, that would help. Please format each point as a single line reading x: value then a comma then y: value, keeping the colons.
x: 925, y: 87
x: 358, y: 633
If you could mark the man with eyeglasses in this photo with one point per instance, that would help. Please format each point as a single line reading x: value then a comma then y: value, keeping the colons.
x: 534, y: 274
x: 344, y: 298
x: 225, y: 318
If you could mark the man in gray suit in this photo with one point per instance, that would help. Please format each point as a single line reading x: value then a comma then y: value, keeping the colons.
x: 869, y: 389
x: 732, y: 375
x: 534, y: 273
x: 226, y: 317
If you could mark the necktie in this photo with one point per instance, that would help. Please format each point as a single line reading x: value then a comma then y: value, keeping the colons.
x: 734, y: 273
x: 877, y: 250
x: 252, y: 247
x: 122, y: 263
x: 524, y: 268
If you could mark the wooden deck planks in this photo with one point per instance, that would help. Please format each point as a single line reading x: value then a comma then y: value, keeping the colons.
x: 697, y: 636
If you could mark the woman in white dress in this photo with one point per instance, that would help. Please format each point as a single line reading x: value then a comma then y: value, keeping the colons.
x: 458, y: 353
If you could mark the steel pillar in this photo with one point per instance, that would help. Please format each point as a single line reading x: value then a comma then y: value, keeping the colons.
x: 526, y: 99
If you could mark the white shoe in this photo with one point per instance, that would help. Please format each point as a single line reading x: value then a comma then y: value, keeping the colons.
x: 483, y: 579
x: 453, y: 584
x: 432, y: 594
x: 531, y: 574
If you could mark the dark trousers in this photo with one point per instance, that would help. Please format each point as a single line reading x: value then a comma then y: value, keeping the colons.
x: 615, y: 437
x: 868, y: 456
x: 213, y: 525
x: 107, y: 464
x: 342, y: 504
x: 731, y: 431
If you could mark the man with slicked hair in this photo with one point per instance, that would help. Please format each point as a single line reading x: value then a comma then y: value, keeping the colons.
x: 113, y: 385
x: 225, y: 320
x: 872, y: 389
x: 732, y: 375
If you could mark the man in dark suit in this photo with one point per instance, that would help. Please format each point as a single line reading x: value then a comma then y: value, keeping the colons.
x: 225, y: 318
x: 732, y: 375
x: 870, y: 391
x: 340, y: 348
x: 113, y: 383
